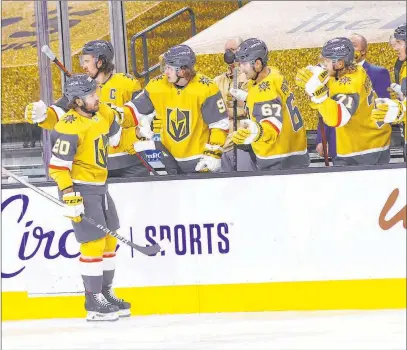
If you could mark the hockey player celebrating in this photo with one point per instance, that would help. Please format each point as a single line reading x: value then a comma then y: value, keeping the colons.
x: 191, y: 114
x: 275, y: 128
x: 341, y: 92
x: 394, y: 110
x: 113, y: 88
x: 79, y: 144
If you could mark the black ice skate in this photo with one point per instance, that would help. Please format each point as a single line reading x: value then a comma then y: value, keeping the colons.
x: 124, y: 306
x: 99, y: 309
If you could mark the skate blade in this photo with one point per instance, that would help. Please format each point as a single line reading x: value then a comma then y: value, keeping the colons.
x: 124, y: 313
x: 94, y: 316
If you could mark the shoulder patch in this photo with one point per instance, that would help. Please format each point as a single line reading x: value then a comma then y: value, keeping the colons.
x: 69, y: 118
x: 345, y: 80
x: 205, y: 81
x: 264, y: 86
x: 157, y: 78
x: 129, y: 76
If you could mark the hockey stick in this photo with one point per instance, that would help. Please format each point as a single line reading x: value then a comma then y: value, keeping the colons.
x: 323, y: 137
x: 154, y: 249
x: 48, y: 52
x: 235, y: 118
x: 45, y: 49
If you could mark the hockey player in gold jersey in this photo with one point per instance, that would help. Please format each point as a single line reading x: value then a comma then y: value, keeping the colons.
x: 275, y: 128
x: 394, y: 110
x: 191, y: 114
x: 113, y: 88
x: 78, y: 165
x: 341, y: 92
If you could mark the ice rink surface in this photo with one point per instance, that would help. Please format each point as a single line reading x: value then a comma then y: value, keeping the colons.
x: 382, y: 329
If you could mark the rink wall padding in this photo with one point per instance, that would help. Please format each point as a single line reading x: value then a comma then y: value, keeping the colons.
x: 313, y: 240
x: 283, y: 296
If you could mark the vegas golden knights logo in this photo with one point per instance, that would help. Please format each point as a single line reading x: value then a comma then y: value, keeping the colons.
x: 178, y: 123
x: 101, y: 151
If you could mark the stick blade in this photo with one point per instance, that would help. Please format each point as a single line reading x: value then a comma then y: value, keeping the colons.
x: 45, y: 49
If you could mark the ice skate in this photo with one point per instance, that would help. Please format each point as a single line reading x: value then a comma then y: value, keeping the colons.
x: 99, y: 309
x: 124, y: 306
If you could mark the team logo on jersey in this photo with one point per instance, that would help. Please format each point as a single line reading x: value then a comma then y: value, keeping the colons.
x: 178, y: 123
x: 344, y: 80
x: 264, y: 86
x: 101, y: 151
x: 205, y: 81
x: 69, y: 118
x: 160, y: 77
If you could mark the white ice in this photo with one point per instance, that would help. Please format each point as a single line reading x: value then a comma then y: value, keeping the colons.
x: 381, y: 329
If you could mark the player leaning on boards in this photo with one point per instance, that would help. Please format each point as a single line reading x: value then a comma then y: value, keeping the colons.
x: 191, y: 114
x: 114, y: 88
x: 341, y: 92
x: 79, y: 144
x: 275, y: 128
x: 394, y: 110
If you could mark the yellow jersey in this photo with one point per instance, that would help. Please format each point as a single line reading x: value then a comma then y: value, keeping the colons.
x: 192, y: 116
x: 117, y: 90
x: 400, y: 77
x: 225, y: 83
x: 348, y: 108
x: 79, y: 147
x: 272, y: 104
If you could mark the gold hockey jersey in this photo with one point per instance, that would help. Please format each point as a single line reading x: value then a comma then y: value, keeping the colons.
x: 192, y: 116
x: 79, y: 147
x: 348, y: 108
x: 400, y: 77
x: 272, y: 104
x: 117, y: 90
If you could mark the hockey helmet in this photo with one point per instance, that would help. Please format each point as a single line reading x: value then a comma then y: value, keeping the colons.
x: 180, y: 56
x: 400, y: 33
x: 252, y: 49
x: 78, y: 86
x: 339, y: 49
x: 98, y: 49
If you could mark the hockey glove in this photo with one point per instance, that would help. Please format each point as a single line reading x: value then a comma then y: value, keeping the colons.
x: 248, y: 132
x: 388, y: 111
x: 211, y: 159
x: 313, y: 79
x: 396, y: 88
x: 157, y: 125
x: 35, y: 112
x: 144, y: 130
x: 239, y: 94
x: 73, y: 206
x: 119, y: 113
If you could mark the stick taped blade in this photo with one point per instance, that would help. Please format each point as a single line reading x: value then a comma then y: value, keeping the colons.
x: 48, y: 52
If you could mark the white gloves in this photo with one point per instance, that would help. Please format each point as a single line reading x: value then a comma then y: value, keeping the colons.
x: 144, y: 129
x: 313, y: 80
x: 248, y: 132
x: 73, y: 206
x: 35, y: 112
x: 211, y: 159
x: 388, y: 111
x: 397, y: 89
x: 240, y: 95
x: 120, y: 113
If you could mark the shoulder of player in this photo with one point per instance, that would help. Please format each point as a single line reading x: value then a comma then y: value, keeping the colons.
x: 122, y: 77
x: 71, y: 123
x: 272, y: 82
x: 355, y: 80
x: 205, y: 84
x: 157, y: 83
